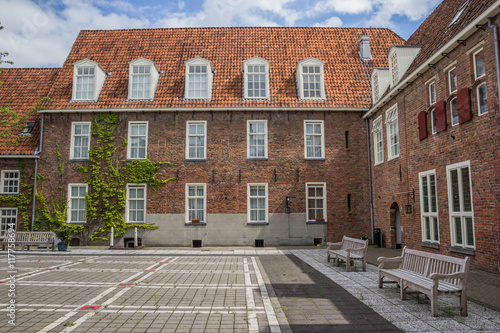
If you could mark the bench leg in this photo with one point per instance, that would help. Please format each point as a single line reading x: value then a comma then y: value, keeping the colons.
x: 463, y: 304
x: 337, y: 261
x: 434, y: 303
x: 380, y: 280
x: 403, y: 290
x: 364, y: 265
x: 347, y: 265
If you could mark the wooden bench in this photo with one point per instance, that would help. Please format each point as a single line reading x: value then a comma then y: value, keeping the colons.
x: 350, y: 249
x: 32, y: 238
x: 428, y: 273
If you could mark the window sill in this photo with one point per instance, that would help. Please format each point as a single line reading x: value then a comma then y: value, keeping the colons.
x: 257, y: 159
x: 257, y: 223
x: 135, y: 222
x: 139, y: 99
x: 392, y: 158
x: 9, y: 194
x: 461, y: 250
x: 191, y: 224
x: 135, y: 159
x: 430, y: 245
x: 379, y: 163
x: 315, y: 159
x: 78, y: 159
x: 77, y: 223
x: 196, y: 159
x: 314, y: 222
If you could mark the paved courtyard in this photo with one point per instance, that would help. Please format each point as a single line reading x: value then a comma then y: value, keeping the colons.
x: 227, y: 291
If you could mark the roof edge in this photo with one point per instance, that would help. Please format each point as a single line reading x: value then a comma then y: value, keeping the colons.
x: 184, y: 109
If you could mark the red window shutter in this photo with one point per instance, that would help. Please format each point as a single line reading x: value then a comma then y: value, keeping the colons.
x: 463, y: 103
x: 422, y: 125
x: 440, y: 114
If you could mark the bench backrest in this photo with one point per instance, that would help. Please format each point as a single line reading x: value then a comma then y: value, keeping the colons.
x: 353, y: 243
x: 426, y: 263
x: 35, y: 236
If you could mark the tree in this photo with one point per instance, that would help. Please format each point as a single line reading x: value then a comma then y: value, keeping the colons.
x: 3, y: 54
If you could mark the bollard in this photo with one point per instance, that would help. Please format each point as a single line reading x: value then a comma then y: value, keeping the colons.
x: 135, y: 238
x: 112, y: 238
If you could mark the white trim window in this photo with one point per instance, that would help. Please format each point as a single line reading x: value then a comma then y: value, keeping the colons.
x: 394, y: 67
x: 136, y: 203
x: 80, y: 141
x: 391, y: 123
x: 460, y: 204
x: 10, y: 182
x: 198, y: 79
x: 196, y: 202
x: 256, y: 76
x: 88, y: 79
x: 432, y: 93
x: 428, y: 206
x: 8, y: 220
x: 77, y: 208
x: 315, y: 201
x: 452, y: 80
x: 257, y: 201
x: 314, y: 139
x: 311, y: 79
x: 196, y: 140
x: 479, y: 70
x: 143, y: 77
x: 454, y: 112
x: 257, y: 139
x: 378, y: 141
x: 137, y: 140
x: 433, y: 121
x: 482, y: 101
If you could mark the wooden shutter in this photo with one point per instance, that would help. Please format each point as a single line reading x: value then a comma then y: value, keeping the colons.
x: 422, y: 125
x: 463, y: 103
x: 440, y: 114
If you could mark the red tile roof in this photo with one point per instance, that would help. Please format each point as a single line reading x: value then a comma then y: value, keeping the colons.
x: 21, y: 89
x: 346, y: 77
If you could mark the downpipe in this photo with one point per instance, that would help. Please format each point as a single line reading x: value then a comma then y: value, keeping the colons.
x: 497, y: 53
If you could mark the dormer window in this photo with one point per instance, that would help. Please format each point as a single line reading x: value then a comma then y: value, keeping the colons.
x: 375, y: 92
x: 28, y: 128
x: 198, y: 79
x: 256, y: 79
x: 143, y: 77
x: 394, y: 68
x: 311, y: 79
x: 88, y: 78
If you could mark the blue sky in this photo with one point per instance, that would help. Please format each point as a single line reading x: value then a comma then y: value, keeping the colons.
x: 40, y: 33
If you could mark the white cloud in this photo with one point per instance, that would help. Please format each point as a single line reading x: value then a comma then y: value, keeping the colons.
x: 341, y: 7
x: 331, y: 22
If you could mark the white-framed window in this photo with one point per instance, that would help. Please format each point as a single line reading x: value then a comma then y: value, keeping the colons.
x: 77, y: 208
x: 452, y: 80
x: 460, y: 204
x: 311, y: 79
x: 80, y: 140
x: 316, y: 201
x: 196, y: 202
x: 378, y: 141
x: 143, y: 77
x: 88, y: 78
x: 10, y: 182
x: 196, y: 140
x: 257, y: 203
x: 394, y: 68
x: 454, y: 112
x: 429, y: 206
x: 433, y: 121
x: 314, y: 139
x: 256, y: 81
x: 8, y: 220
x: 257, y: 139
x: 391, y: 123
x: 137, y: 140
x: 136, y: 203
x: 479, y: 70
x: 482, y: 101
x: 432, y: 93
x: 198, y: 79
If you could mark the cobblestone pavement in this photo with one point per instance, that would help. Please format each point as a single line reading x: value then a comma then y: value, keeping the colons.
x: 216, y: 291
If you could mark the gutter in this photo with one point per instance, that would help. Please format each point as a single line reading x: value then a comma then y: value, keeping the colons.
x: 497, y: 51
x: 370, y: 185
x: 19, y: 156
x: 182, y: 109
x: 463, y: 34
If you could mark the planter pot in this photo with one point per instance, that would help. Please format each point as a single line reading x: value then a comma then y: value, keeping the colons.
x: 195, y: 221
x: 320, y: 219
x: 62, y: 247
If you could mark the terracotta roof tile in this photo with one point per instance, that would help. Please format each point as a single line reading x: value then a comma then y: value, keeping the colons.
x: 21, y: 89
x: 346, y: 80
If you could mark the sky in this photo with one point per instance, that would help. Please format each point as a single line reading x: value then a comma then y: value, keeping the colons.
x: 40, y: 33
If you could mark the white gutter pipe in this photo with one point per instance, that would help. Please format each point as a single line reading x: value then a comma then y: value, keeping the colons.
x: 497, y: 52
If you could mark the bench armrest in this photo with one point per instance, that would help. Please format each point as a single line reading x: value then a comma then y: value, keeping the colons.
x: 383, y: 260
x: 352, y: 249
x: 437, y: 276
x: 333, y: 244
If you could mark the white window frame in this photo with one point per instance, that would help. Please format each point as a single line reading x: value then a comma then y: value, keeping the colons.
x: 450, y: 79
x: 432, y: 93
x: 322, y: 134
x: 315, y: 184
x: 99, y: 77
x: 391, y: 117
x: 378, y: 145
x: 209, y: 75
x: 129, y: 140
x: 300, y: 77
x: 432, y: 114
x: 463, y: 215
x: 256, y: 61
x: 454, y: 109
x: 430, y: 215
x: 249, y: 197
x: 187, y: 197
x: 475, y: 64
x: 70, y: 198
x: 479, y: 101
x: 128, y: 208
x: 249, y: 141
x: 4, y: 223
x: 73, y: 135
x: 4, y: 179
x: 197, y: 122
x: 152, y: 77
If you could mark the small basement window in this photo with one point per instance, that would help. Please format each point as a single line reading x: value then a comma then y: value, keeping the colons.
x: 196, y: 242
x: 28, y: 128
x: 129, y: 242
x: 259, y: 243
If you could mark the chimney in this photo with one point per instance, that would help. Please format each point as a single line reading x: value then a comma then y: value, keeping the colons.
x: 364, y: 48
